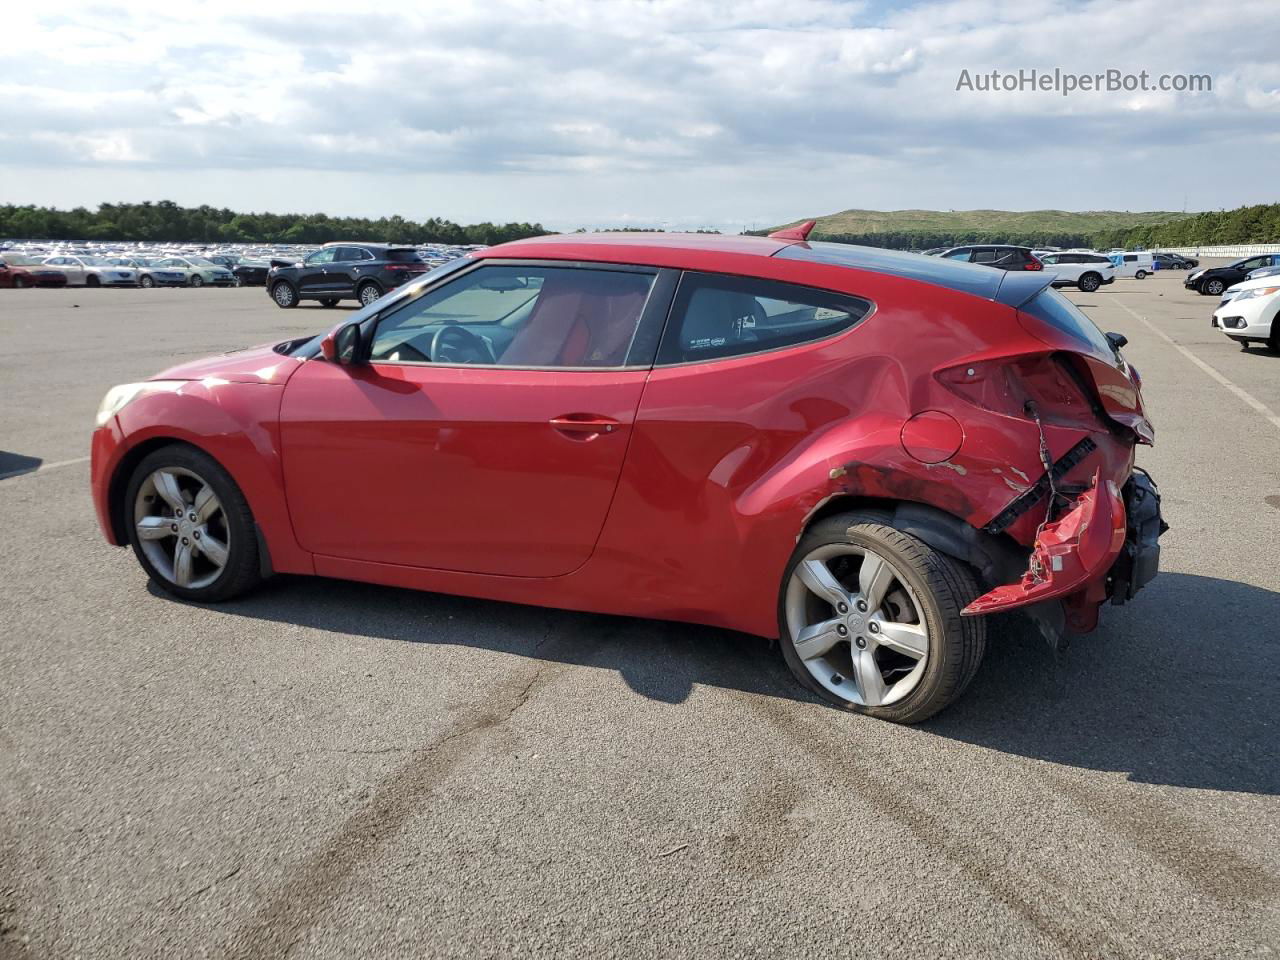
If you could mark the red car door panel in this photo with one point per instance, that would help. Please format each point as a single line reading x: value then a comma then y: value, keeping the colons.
x: 495, y: 471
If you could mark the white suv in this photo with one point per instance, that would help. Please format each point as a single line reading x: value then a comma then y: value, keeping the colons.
x: 1251, y: 315
x: 1088, y: 271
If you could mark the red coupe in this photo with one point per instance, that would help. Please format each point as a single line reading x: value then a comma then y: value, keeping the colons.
x: 17, y: 271
x: 861, y: 451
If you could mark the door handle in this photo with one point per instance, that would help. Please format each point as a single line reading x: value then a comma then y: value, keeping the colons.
x: 584, y: 425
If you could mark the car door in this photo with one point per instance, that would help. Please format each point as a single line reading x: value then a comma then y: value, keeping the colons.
x: 488, y: 427
x: 346, y: 269
x: 75, y: 270
x: 313, y: 276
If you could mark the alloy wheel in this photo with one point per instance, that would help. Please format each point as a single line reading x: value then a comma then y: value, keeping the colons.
x: 181, y: 527
x: 368, y: 294
x: 856, y: 624
x: 283, y: 294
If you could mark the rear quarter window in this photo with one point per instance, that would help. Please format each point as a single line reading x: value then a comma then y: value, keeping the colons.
x: 1057, y: 311
x: 403, y: 256
x: 716, y: 316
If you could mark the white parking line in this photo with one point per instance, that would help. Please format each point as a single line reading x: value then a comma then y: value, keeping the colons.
x: 1240, y: 392
x: 43, y: 468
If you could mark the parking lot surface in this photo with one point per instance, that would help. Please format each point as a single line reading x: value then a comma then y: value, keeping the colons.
x: 333, y: 769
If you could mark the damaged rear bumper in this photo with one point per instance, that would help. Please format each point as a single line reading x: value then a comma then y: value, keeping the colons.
x: 1107, y: 545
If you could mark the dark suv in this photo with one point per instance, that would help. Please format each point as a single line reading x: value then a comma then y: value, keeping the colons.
x: 1000, y: 255
x: 344, y: 271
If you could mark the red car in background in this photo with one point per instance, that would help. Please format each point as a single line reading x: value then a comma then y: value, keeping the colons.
x: 20, y: 271
x: 863, y: 452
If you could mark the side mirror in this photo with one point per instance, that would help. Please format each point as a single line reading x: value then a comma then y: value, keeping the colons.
x: 1117, y: 340
x: 341, y: 344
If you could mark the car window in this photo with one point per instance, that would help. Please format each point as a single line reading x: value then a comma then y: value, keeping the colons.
x: 1130, y: 258
x: 1054, y: 259
x: 347, y: 254
x: 524, y: 316
x: 406, y: 255
x: 1253, y: 263
x: 717, y: 316
x: 321, y: 256
x: 958, y: 255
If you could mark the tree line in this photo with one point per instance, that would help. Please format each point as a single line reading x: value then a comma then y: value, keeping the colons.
x: 166, y: 221
x: 1259, y: 223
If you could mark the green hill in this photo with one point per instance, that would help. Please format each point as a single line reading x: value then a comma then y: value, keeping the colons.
x: 916, y: 229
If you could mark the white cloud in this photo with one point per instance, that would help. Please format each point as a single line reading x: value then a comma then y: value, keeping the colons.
x: 579, y: 110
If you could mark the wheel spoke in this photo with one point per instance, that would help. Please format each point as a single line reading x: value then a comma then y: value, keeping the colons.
x: 154, y: 528
x: 214, y: 549
x: 817, y: 639
x: 817, y: 576
x: 909, y: 639
x: 182, y: 564
x: 866, y: 674
x: 167, y: 486
x: 206, y: 504
x: 874, y: 579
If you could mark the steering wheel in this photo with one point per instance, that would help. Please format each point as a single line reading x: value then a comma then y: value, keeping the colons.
x: 455, y: 344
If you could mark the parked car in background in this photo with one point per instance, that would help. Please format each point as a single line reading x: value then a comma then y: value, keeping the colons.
x: 1250, y: 314
x: 199, y: 271
x: 93, y: 271
x: 1173, y: 261
x: 1264, y: 272
x: 1212, y: 281
x: 223, y: 260
x: 1135, y: 264
x: 613, y: 380
x: 18, y: 271
x: 1087, y: 271
x: 1002, y: 256
x: 151, y: 274
x: 251, y: 273
x: 345, y: 271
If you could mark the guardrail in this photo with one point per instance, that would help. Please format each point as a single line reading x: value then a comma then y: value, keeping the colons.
x: 1227, y: 250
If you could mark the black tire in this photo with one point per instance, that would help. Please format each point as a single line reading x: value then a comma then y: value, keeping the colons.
x: 1212, y: 287
x: 19, y: 283
x: 92, y: 280
x: 243, y: 570
x: 368, y: 292
x: 196, y: 280
x: 942, y: 585
x: 1089, y: 282
x: 329, y: 302
x: 1141, y: 275
x: 146, y: 282
x: 284, y: 294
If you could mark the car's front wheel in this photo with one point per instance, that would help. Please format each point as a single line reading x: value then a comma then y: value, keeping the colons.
x: 870, y: 619
x: 196, y: 280
x: 146, y: 282
x: 190, y: 526
x: 19, y: 283
x: 284, y: 295
x: 92, y: 280
x: 1212, y: 288
x: 1089, y: 282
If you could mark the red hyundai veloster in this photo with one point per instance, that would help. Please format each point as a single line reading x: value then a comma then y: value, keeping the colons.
x: 861, y: 451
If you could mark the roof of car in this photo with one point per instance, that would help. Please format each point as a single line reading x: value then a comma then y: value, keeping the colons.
x: 1010, y: 287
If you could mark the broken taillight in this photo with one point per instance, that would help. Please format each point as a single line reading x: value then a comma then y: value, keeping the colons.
x: 1008, y: 385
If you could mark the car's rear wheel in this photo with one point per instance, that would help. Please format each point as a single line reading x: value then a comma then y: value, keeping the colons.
x: 146, y: 282
x: 1089, y: 282
x: 190, y: 526
x: 1212, y: 287
x: 368, y: 292
x: 196, y: 280
x: 329, y: 302
x: 870, y: 619
x: 1141, y: 274
x: 284, y: 295
x: 92, y: 280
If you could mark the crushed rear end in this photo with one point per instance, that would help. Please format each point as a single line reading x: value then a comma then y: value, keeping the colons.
x: 1091, y: 521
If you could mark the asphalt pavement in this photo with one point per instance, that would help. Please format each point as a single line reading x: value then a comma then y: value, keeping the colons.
x: 331, y: 769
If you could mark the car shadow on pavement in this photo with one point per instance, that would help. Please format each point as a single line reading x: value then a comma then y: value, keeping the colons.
x: 15, y: 464
x: 1177, y: 688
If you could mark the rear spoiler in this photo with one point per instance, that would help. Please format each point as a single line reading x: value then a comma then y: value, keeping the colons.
x: 1019, y: 286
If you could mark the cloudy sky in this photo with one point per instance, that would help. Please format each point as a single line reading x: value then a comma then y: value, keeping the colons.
x: 719, y: 113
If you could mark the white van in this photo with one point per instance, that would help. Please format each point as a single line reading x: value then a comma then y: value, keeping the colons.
x: 1137, y: 265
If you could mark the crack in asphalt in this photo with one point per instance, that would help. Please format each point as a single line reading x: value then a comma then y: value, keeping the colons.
x: 309, y: 890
